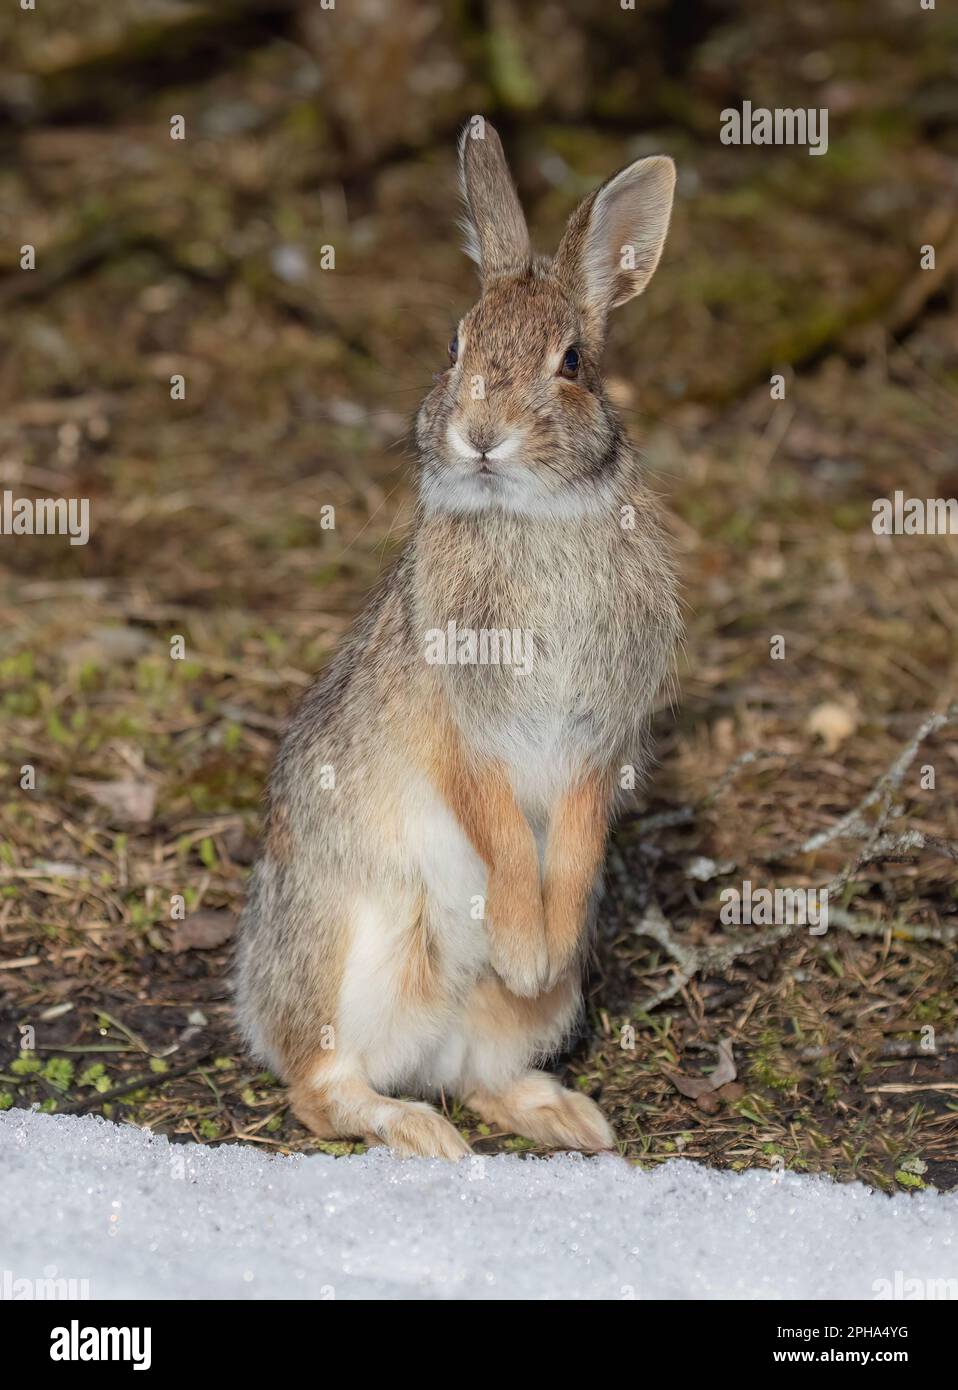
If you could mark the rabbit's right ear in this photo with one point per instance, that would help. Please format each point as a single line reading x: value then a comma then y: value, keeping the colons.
x: 614, y: 239
x: 497, y: 237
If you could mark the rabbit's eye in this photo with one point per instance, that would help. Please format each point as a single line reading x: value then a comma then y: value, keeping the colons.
x: 453, y: 349
x: 570, y: 364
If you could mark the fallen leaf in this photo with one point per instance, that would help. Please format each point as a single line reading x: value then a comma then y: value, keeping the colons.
x: 58, y: 868
x: 55, y: 1011
x: 203, y: 931
x: 696, y: 1086
x: 127, y: 800
x: 730, y: 1092
x: 106, y: 646
x: 832, y: 723
x: 702, y: 869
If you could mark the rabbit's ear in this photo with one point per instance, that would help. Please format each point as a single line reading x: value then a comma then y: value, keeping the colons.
x: 614, y: 239
x: 497, y: 238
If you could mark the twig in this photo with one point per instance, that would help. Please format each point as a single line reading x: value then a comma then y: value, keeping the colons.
x: 902, y: 1087
x: 901, y: 931
x: 135, y: 1083
x: 891, y: 1048
x: 662, y: 820
x: 127, y: 1032
x: 853, y: 822
x: 692, y: 962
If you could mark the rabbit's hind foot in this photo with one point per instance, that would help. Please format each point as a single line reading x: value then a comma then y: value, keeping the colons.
x: 353, y: 1110
x: 538, y: 1108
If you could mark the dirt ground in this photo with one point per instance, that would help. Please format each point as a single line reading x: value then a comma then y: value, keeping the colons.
x: 203, y: 258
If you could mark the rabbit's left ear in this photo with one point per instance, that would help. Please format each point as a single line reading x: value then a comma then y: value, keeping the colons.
x: 497, y: 237
x: 614, y: 239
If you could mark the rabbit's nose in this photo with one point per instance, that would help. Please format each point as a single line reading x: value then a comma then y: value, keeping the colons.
x: 481, y: 438
x: 469, y: 441
x: 482, y: 442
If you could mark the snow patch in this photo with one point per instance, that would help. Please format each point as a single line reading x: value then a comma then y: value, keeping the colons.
x: 139, y: 1217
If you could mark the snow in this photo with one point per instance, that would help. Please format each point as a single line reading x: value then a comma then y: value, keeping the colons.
x: 139, y: 1217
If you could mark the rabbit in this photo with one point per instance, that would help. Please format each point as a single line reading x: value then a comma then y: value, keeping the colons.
x: 419, y: 918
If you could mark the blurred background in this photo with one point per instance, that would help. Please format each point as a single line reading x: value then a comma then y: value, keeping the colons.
x: 208, y: 257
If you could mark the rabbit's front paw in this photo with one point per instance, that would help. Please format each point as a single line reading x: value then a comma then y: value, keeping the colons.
x: 521, y: 960
x: 517, y: 942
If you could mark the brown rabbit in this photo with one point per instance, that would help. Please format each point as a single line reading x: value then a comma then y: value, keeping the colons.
x: 438, y: 812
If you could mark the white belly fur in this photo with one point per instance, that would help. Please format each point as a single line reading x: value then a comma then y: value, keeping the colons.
x: 403, y: 1044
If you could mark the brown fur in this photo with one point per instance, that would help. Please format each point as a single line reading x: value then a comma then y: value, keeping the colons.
x: 537, y: 1106
x: 279, y: 838
x: 499, y: 1012
x: 353, y: 1110
x: 484, y: 804
x: 573, y: 858
x: 497, y: 228
x: 309, y: 1101
x: 418, y: 982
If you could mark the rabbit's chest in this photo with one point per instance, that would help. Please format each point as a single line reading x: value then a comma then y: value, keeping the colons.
x: 548, y: 710
x: 534, y: 651
x: 541, y: 660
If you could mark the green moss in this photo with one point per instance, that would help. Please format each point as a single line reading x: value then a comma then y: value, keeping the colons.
x: 518, y: 1144
x: 769, y: 1065
x: 26, y: 1064
x: 17, y: 668
x: 59, y: 1072
x: 94, y: 1075
x: 57, y: 730
x: 513, y: 79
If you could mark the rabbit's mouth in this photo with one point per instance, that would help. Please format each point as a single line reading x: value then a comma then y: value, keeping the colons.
x: 489, y: 479
x: 461, y: 486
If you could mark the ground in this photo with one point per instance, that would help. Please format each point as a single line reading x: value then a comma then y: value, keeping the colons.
x: 204, y: 258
